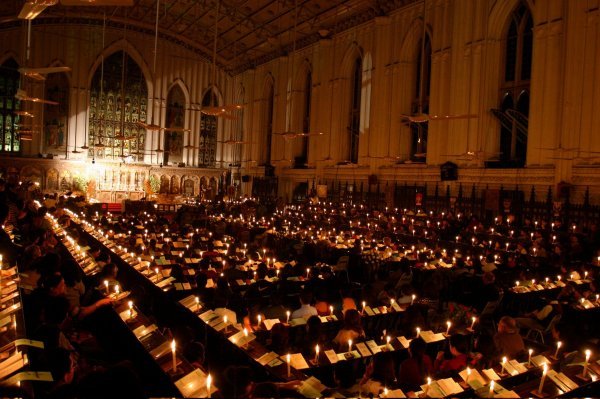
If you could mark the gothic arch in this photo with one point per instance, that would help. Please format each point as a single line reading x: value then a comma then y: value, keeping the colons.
x: 123, y: 45
x: 186, y: 92
x: 500, y: 14
x: 354, y: 51
x: 8, y: 55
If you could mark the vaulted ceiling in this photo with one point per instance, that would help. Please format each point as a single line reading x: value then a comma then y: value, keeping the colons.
x: 249, y: 32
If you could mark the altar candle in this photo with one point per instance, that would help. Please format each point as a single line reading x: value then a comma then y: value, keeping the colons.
x: 543, y: 378
x: 448, y: 323
x: 349, y: 345
x: 588, y: 353
x: 174, y: 356
x: 106, y: 286
x: 208, y: 383
x: 503, y: 365
x: 288, y: 358
x: 418, y: 332
x: 287, y: 313
x: 558, y: 345
x: 473, y: 320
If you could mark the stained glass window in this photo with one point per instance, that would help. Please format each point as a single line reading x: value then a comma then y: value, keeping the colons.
x: 515, y: 88
x: 9, y: 83
x: 115, y: 112
x: 175, y: 119
x: 208, y: 133
x: 356, y: 91
x: 419, y: 131
x: 55, y: 116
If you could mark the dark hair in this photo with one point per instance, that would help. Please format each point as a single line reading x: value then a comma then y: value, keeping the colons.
x: 71, y: 272
x: 236, y: 381
x: 383, y: 368
x: 60, y: 363
x: 306, y: 297
x: 459, y: 342
x: 352, y: 321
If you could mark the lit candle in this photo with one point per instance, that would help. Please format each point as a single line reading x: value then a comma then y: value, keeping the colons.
x: 208, y: 383
x: 503, y: 371
x: 330, y: 310
x: 468, y: 375
x: 558, y: 345
x: 448, y: 323
x: 543, y: 378
x: 473, y: 319
x: 492, y: 383
x: 412, y: 301
x: 307, y: 272
x: 106, y: 286
x: 317, y: 353
x: 174, y: 356
x: 387, y: 340
x: 428, y: 386
x: 130, y: 304
x: 588, y: 353
x: 117, y: 290
x: 259, y: 317
x: 287, y: 313
x: 392, y: 301
x: 364, y: 304
x: 349, y: 345
x: 225, y: 322
x: 197, y: 304
x: 288, y: 358
x: 245, y: 336
x: 418, y: 332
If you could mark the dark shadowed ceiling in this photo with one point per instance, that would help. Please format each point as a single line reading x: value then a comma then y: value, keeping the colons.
x: 250, y: 32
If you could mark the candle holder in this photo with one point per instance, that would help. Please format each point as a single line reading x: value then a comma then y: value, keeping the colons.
x: 538, y: 394
x: 584, y: 378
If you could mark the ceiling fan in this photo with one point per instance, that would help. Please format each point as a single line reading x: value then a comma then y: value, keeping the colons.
x: 32, y: 8
x: 40, y: 73
x: 232, y: 142
x: 294, y: 135
x: 22, y: 95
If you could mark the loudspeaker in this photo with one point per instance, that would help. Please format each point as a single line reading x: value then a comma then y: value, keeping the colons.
x: 245, y: 178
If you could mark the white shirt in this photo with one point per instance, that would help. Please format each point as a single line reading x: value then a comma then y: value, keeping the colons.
x: 304, y: 312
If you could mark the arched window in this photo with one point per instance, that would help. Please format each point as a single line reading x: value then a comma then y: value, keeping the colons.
x: 114, y: 113
x: 268, y: 114
x: 421, y: 102
x: 55, y: 116
x: 354, y: 123
x: 515, y: 88
x: 306, y: 117
x: 208, y: 132
x: 9, y: 83
x: 175, y: 119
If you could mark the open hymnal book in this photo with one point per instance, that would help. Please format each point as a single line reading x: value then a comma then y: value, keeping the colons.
x: 193, y: 385
x: 475, y: 380
x: 311, y: 388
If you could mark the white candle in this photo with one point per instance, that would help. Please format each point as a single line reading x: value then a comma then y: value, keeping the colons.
x: 288, y: 358
x: 331, y: 310
x: 503, y: 365
x: 418, y: 332
x: 117, y: 290
x: 543, y: 378
x: 130, y: 304
x: 174, y: 356
x: 106, y: 286
x: 449, y: 324
x: 287, y: 313
x: 259, y: 317
x: 208, y: 383
x: 473, y: 319
x: 349, y: 345
x: 529, y: 361
x: 558, y: 345
x: 588, y: 353
x: 364, y: 304
x: 492, y: 383
x: 197, y: 304
x: 412, y: 301
x: 225, y: 322
x: 428, y: 386
x: 317, y: 353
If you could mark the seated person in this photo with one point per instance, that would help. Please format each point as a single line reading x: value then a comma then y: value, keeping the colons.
x: 508, y: 341
x: 417, y: 367
x: 306, y: 309
x: 352, y: 329
x: 379, y: 374
x: 539, y: 319
x: 458, y: 350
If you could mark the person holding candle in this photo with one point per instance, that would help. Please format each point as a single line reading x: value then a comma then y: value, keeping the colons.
x: 507, y: 339
x: 416, y: 368
x: 351, y: 330
x: 380, y: 373
x: 458, y: 361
